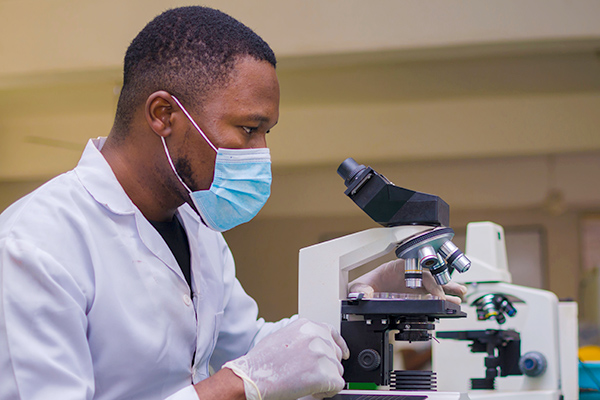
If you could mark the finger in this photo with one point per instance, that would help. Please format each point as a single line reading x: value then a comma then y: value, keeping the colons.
x: 431, y: 285
x: 339, y: 353
x: 455, y: 289
x: 360, y: 287
x: 390, y: 277
x: 394, y: 267
x: 339, y: 340
x: 454, y: 299
x: 338, y: 385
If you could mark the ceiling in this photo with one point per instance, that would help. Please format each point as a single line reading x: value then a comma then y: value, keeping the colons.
x: 401, y: 76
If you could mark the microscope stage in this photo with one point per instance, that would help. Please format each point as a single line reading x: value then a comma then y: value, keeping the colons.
x: 432, y: 307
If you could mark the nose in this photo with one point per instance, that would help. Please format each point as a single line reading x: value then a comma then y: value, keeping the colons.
x: 258, y: 141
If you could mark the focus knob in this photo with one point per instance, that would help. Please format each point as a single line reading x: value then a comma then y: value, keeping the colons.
x: 533, y: 363
x: 369, y: 359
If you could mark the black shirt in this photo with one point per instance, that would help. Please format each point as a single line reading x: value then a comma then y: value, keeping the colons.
x: 174, y: 235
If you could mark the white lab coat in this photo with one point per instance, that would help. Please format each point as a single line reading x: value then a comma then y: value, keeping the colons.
x: 93, y: 304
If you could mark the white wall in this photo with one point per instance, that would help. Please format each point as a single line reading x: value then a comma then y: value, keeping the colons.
x: 488, y: 104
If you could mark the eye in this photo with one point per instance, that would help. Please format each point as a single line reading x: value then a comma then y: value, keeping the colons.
x: 249, y: 129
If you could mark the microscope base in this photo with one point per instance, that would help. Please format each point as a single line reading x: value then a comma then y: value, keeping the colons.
x: 397, y: 395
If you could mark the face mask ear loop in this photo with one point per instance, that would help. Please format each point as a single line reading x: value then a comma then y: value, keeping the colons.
x: 173, y: 166
x: 194, y: 123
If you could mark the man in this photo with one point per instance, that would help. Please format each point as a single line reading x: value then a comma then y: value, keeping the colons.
x: 115, y: 282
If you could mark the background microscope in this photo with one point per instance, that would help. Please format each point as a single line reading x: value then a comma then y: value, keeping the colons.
x: 516, y: 342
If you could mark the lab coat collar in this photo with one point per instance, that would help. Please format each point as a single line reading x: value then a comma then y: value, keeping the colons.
x: 97, y: 177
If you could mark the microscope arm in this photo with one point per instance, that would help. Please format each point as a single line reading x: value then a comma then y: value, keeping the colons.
x: 324, y: 268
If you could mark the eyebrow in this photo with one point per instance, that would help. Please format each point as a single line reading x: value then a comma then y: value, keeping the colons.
x: 257, y: 117
x: 261, y: 119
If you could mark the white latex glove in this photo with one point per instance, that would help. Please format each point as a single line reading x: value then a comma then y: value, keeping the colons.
x: 301, y: 359
x: 389, y: 277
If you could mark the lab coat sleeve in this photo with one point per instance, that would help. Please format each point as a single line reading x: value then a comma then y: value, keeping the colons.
x: 240, y: 328
x: 44, y: 352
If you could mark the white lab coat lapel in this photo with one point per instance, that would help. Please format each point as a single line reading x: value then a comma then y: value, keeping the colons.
x: 207, y: 283
x: 156, y: 244
x: 190, y: 225
x: 207, y: 251
x: 206, y: 262
x: 107, y: 190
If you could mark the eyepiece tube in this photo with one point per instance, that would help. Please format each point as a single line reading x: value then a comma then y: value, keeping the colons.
x: 413, y: 273
x: 348, y: 169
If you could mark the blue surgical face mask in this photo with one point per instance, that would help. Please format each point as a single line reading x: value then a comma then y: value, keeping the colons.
x: 240, y: 188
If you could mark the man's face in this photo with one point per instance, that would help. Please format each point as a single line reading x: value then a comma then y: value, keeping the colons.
x: 236, y: 116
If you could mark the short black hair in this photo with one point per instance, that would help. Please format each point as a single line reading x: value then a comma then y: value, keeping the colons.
x: 185, y: 51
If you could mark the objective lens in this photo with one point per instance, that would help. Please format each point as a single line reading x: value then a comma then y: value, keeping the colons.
x: 413, y: 273
x: 440, y: 273
x: 487, y: 309
x: 507, y: 307
x: 494, y: 305
x: 428, y: 257
x: 454, y: 257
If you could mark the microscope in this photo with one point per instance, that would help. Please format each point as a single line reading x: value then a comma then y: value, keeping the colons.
x: 415, y: 227
x: 516, y: 342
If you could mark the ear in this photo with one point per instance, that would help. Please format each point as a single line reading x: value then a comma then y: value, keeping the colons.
x: 159, y: 112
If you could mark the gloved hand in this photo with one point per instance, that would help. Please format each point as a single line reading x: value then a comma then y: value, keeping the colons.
x: 389, y: 277
x: 301, y: 359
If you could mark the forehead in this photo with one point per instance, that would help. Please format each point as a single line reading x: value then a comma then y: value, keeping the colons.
x: 252, y: 89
